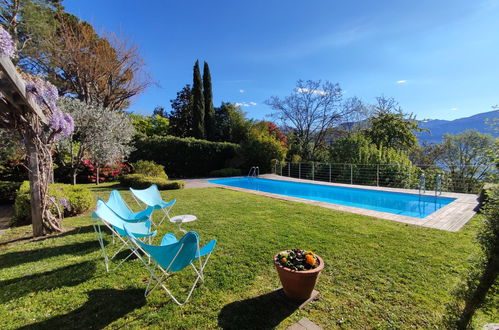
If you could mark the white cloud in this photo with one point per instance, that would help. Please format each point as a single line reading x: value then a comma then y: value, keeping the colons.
x: 242, y: 91
x: 454, y: 109
x: 245, y: 104
x: 401, y: 81
x: 313, y: 91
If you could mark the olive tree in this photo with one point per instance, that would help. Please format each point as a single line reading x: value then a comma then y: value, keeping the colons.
x: 100, y: 135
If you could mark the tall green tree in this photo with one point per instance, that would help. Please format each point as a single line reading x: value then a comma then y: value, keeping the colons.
x: 181, y: 114
x: 198, y: 129
x: 209, y: 110
x: 231, y: 124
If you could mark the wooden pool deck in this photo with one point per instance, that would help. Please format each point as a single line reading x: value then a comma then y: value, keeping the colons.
x: 451, y: 217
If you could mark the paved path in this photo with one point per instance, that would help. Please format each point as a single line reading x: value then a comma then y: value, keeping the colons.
x: 198, y: 183
x: 6, y: 212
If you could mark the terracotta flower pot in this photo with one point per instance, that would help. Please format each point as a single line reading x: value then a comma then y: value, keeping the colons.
x: 298, y: 285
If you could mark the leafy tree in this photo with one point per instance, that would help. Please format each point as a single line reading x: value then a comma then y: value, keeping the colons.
x: 101, y: 135
x: 365, y: 156
x: 30, y: 23
x: 231, y: 124
x: 311, y: 109
x: 261, y: 148
x: 160, y: 111
x: 198, y: 123
x: 391, y: 127
x: 468, y: 158
x: 426, y: 155
x: 273, y: 130
x: 150, y: 125
x: 101, y: 69
x: 181, y: 118
x: 12, y: 157
x: 209, y: 111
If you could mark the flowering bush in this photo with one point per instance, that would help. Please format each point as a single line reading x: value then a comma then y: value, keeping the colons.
x: 7, y: 45
x: 106, y: 174
x: 297, y: 259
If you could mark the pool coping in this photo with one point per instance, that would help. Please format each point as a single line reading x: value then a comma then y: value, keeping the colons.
x: 451, y: 217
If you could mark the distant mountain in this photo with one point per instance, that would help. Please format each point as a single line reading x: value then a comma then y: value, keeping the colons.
x: 438, y: 127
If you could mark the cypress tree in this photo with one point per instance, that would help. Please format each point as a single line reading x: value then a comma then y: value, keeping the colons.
x: 197, y: 104
x: 209, y: 110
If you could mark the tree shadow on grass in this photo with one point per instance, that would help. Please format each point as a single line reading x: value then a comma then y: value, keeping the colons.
x: 17, y: 258
x: 74, y: 231
x: 263, y: 312
x: 72, y: 275
x: 102, y: 307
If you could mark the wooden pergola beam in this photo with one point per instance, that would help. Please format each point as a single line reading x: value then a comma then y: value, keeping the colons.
x: 12, y: 81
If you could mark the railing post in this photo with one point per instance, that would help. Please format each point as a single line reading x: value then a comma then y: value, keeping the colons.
x: 275, y: 168
x: 377, y: 175
x: 289, y: 169
x: 299, y: 170
x: 281, y: 167
x: 313, y: 174
x: 329, y: 172
x: 351, y: 174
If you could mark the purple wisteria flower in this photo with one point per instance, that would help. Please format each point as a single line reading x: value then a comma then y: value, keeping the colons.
x: 65, y: 203
x: 44, y: 93
x: 62, y: 122
x: 7, y: 45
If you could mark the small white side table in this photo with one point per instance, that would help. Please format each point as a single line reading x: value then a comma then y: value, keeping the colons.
x: 180, y: 219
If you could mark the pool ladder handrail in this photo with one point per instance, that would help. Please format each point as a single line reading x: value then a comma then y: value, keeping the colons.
x: 438, y: 185
x: 254, y: 172
x: 422, y: 184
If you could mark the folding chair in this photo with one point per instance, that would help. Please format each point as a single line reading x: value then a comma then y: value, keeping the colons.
x: 173, y: 256
x: 152, y: 198
x: 116, y: 225
x: 121, y: 208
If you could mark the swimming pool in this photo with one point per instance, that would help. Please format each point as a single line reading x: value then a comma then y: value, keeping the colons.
x: 412, y: 205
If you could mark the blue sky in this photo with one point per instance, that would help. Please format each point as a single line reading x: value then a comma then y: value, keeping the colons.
x: 439, y: 59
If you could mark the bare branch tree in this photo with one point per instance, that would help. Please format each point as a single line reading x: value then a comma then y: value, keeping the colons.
x: 311, y: 109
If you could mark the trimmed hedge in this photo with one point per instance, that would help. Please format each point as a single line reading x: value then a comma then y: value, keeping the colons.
x: 72, y: 200
x: 226, y: 172
x: 184, y: 157
x: 8, y: 190
x: 139, y: 181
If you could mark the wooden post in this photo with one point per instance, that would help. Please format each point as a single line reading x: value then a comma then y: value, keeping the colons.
x: 34, y: 186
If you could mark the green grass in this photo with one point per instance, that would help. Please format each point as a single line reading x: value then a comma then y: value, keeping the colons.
x: 378, y: 274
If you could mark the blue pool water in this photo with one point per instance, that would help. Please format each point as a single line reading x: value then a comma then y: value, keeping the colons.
x: 397, y: 203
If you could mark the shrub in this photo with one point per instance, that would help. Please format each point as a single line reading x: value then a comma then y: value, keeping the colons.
x: 8, y: 191
x: 109, y: 173
x: 139, y: 181
x: 260, y: 149
x: 184, y: 157
x: 71, y: 200
x: 226, y: 172
x: 150, y: 168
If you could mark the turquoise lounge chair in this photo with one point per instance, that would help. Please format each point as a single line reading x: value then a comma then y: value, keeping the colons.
x: 152, y: 198
x: 117, y: 226
x: 121, y: 208
x: 172, y: 256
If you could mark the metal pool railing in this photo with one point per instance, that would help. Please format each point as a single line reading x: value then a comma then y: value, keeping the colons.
x: 381, y: 175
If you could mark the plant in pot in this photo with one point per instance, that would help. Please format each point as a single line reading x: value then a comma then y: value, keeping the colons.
x: 298, y: 271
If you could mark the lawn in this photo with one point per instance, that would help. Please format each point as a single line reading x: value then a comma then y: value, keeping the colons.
x: 378, y: 274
